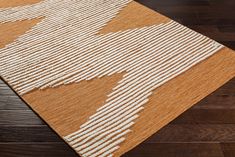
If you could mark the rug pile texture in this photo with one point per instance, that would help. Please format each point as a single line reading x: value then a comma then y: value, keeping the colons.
x: 106, y: 75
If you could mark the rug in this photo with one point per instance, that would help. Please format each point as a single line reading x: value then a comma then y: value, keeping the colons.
x: 106, y: 75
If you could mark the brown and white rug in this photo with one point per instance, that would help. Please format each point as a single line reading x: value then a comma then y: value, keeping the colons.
x: 106, y: 75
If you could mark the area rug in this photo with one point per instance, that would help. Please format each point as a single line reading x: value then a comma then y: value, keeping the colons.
x: 106, y: 75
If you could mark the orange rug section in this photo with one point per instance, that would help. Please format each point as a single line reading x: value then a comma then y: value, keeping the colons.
x: 10, y: 31
x: 15, y: 3
x: 66, y: 107
x: 130, y: 17
x: 179, y: 94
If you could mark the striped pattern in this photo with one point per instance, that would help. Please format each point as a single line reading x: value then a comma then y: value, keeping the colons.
x: 50, y: 49
x: 65, y: 48
x: 170, y: 51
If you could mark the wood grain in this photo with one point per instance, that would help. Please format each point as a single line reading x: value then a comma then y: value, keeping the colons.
x: 7, y: 117
x: 177, y: 150
x: 207, y: 116
x: 42, y: 149
x: 228, y: 149
x: 195, y: 133
x: 33, y: 133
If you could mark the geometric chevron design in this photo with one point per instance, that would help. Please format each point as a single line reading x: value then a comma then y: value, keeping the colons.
x: 66, y: 47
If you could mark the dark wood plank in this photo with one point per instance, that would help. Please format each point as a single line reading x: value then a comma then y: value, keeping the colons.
x: 194, y: 133
x: 25, y: 133
x: 44, y: 149
x: 176, y: 150
x: 228, y: 149
x: 19, y: 117
x: 9, y: 100
x: 12, y: 103
x: 206, y: 116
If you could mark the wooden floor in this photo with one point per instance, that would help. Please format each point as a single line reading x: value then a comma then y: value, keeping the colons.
x: 206, y: 130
